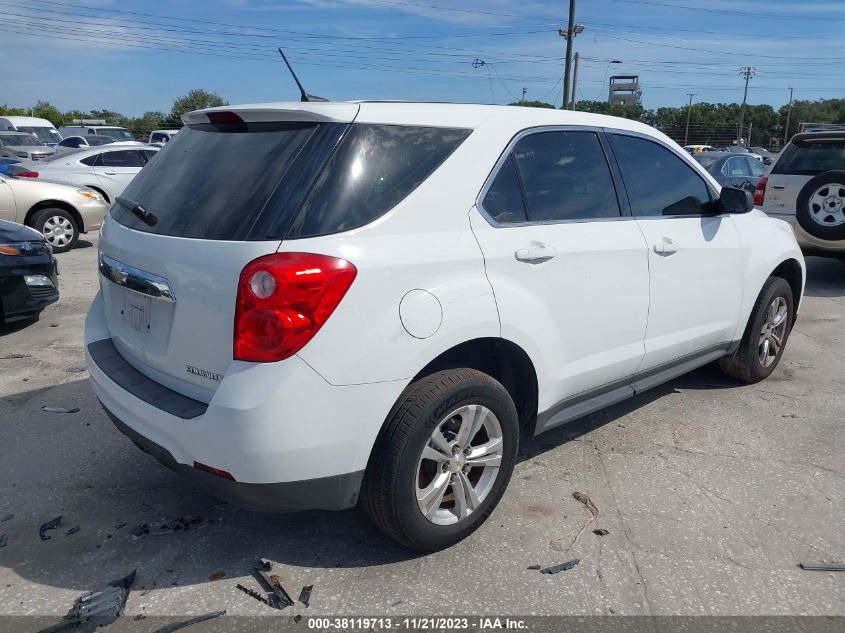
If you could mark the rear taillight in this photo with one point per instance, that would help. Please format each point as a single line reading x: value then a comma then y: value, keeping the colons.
x: 283, y: 300
x: 760, y: 191
x: 27, y: 174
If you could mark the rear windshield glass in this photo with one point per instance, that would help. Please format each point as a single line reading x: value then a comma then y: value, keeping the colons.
x: 213, y: 184
x: 812, y: 157
x: 705, y: 161
x: 269, y: 181
x: 375, y: 167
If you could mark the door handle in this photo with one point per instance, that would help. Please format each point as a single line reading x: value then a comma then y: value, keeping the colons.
x: 665, y: 247
x: 535, y: 253
x: 110, y: 173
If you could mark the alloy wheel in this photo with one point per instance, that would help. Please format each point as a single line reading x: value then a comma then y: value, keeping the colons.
x: 827, y: 205
x: 773, y: 332
x: 459, y: 464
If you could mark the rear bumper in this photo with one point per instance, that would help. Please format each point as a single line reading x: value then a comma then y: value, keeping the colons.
x: 809, y: 244
x: 290, y: 440
x: 326, y: 493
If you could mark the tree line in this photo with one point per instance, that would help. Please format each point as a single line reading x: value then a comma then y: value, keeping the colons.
x: 717, y: 123
x: 710, y: 123
x: 140, y: 126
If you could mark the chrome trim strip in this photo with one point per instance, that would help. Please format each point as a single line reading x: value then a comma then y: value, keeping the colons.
x: 136, y: 280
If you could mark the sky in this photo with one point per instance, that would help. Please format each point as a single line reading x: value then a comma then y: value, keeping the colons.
x: 133, y: 56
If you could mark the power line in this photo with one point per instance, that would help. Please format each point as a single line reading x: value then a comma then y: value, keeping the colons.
x: 753, y: 14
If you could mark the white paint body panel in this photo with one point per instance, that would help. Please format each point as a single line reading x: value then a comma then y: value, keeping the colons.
x: 695, y: 292
x: 603, y: 308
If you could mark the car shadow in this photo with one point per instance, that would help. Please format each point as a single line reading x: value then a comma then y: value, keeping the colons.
x: 825, y: 277
x: 83, y: 244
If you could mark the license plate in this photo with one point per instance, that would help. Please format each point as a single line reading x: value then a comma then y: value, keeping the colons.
x: 136, y: 311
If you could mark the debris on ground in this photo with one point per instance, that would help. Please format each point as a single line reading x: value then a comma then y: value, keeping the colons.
x: 562, y: 567
x: 218, y: 575
x: 72, y: 530
x: 8, y: 517
x: 268, y: 572
x: 120, y: 524
x: 59, y: 410
x: 165, y: 526
x: 822, y: 566
x: 77, y: 369
x: 585, y: 499
x: 601, y: 532
x: 305, y: 594
x: 4, y: 539
x: 52, y: 524
x: 94, y: 609
x: 254, y: 594
x: 533, y: 567
x: 581, y: 497
x: 12, y: 356
x: 181, y: 625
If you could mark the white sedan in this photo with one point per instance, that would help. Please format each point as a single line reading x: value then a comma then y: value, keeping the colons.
x: 107, y: 169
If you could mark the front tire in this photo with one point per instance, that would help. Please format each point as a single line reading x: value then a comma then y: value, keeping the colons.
x: 58, y: 227
x: 442, y: 460
x: 765, y: 335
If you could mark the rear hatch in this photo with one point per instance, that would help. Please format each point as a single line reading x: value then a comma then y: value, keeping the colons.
x: 222, y: 193
x: 805, y: 156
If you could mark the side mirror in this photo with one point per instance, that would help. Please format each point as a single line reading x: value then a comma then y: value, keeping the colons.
x: 733, y: 200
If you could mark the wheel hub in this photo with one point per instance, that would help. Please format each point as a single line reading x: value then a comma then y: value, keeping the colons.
x: 457, y: 462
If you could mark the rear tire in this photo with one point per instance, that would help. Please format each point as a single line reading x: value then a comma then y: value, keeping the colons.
x: 443, y: 459
x: 58, y: 227
x: 765, y: 335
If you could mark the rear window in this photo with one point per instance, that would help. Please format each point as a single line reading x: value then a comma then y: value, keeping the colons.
x: 375, y: 168
x: 811, y: 157
x: 214, y: 184
x: 275, y: 180
x: 705, y: 161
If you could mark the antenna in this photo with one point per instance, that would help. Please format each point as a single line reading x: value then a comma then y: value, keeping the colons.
x: 305, y: 97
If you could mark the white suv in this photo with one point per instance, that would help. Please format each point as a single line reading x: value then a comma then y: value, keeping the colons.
x: 806, y: 187
x: 301, y: 304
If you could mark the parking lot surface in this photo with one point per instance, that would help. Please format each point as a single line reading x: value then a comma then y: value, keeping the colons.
x: 712, y: 493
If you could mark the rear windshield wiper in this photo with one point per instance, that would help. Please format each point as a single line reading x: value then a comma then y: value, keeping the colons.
x: 145, y: 216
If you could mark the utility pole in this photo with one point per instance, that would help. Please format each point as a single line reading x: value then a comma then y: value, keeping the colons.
x: 689, y: 111
x: 570, y: 35
x: 748, y: 72
x: 575, y: 81
x: 788, y: 113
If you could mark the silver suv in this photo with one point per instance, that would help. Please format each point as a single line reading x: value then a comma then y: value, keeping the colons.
x: 806, y: 187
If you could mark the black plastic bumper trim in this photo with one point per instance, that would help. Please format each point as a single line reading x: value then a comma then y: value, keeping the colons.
x: 109, y: 360
x: 337, y: 492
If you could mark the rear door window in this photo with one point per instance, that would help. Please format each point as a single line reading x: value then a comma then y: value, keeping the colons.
x: 125, y: 158
x: 812, y: 156
x: 374, y: 168
x: 565, y: 176
x: 736, y: 166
